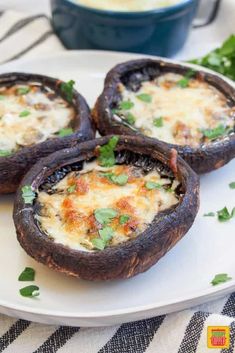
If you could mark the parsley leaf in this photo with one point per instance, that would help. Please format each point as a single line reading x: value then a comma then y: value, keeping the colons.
x: 105, y: 235
x: 65, y: 132
x: 126, y: 105
x: 123, y: 219
x: 23, y: 90
x: 67, y: 89
x: 28, y: 194
x: 30, y: 291
x: 24, y: 113
x: 232, y: 185
x: 130, y: 119
x: 2, y: 97
x: 158, y: 122
x: 72, y: 188
x: 117, y: 179
x: 5, y: 153
x: 27, y: 275
x: 144, y: 97
x: 210, y: 214
x: 151, y: 185
x: 224, y: 215
x: 220, y: 278
x: 214, y: 133
x: 221, y: 60
x: 184, y: 82
x: 105, y: 215
x: 107, y: 156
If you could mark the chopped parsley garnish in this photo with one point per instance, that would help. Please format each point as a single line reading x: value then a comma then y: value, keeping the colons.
x: 23, y: 90
x: 158, y: 122
x: 67, y: 89
x: 224, y: 215
x: 65, y: 132
x: 210, y: 214
x: 231, y: 185
x: 116, y: 179
x: 220, y: 278
x: 72, y: 188
x: 2, y: 97
x: 30, y: 291
x: 5, y: 153
x: 144, y: 97
x: 106, y: 153
x: 105, y: 235
x: 124, y: 218
x: 212, y: 134
x: 222, y: 59
x: 130, y: 119
x: 24, y: 113
x: 184, y: 82
x: 27, y: 275
x: 28, y: 194
x: 151, y: 185
x: 126, y: 105
x: 105, y: 215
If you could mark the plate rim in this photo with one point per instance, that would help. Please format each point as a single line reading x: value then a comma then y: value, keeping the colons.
x: 191, y: 299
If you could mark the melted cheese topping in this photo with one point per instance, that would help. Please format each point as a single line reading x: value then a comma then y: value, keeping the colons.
x: 183, y: 112
x: 128, y: 5
x: 68, y: 215
x: 29, y: 116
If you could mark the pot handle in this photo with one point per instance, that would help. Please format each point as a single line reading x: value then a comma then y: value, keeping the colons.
x: 211, y: 8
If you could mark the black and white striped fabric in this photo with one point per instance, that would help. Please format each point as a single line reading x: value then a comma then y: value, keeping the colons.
x: 183, y: 332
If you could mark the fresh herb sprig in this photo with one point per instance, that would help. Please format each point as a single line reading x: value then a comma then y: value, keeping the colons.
x: 30, y: 291
x: 27, y: 275
x: 212, y: 134
x: 232, y: 185
x: 116, y: 179
x: 221, y: 60
x: 184, y: 82
x: 224, y: 215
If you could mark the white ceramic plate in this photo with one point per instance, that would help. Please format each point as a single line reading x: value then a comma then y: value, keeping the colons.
x: 180, y: 280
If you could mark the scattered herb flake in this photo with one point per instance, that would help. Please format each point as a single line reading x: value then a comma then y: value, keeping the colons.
x: 98, y: 243
x: 151, y: 185
x: 23, y: 90
x: 2, y: 97
x: 27, y: 275
x: 105, y: 215
x: 28, y: 194
x: 106, y: 153
x: 106, y: 234
x: 5, y: 153
x: 220, y: 278
x: 210, y: 214
x: 24, y: 113
x: 65, y: 132
x: 130, y: 119
x: 231, y: 185
x: 212, y: 134
x: 224, y: 215
x: 144, y: 97
x: 123, y: 219
x: 72, y: 188
x: 30, y: 291
x: 116, y: 179
x: 67, y: 89
x: 126, y: 105
x: 184, y: 82
x: 158, y: 122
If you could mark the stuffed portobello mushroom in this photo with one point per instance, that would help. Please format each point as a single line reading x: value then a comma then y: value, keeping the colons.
x: 106, y: 209
x: 189, y: 110
x: 38, y: 116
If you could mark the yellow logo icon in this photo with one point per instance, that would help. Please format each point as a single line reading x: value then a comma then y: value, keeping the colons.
x: 218, y: 337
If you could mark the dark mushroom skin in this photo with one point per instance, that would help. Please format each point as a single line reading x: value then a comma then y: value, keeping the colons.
x: 13, y: 167
x: 204, y: 158
x: 131, y: 257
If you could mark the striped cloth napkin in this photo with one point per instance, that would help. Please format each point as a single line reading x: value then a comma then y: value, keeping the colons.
x: 183, y: 332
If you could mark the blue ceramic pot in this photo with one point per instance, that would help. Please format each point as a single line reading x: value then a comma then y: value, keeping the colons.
x: 160, y: 32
